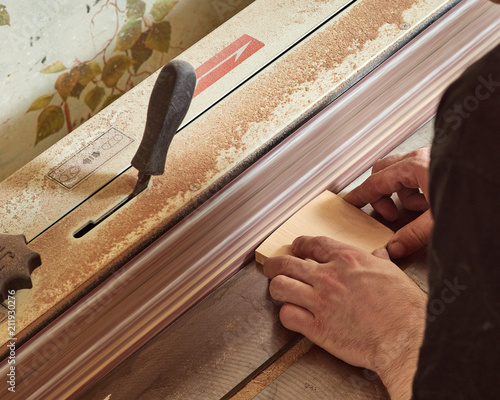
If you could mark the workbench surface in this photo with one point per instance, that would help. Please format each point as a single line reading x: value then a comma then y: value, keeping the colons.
x: 232, y: 345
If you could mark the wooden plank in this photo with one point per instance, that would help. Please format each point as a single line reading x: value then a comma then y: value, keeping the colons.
x: 327, y: 215
x: 207, y: 352
x: 319, y: 375
x: 274, y: 370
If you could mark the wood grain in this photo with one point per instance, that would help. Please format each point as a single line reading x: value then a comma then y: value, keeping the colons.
x: 320, y: 376
x: 273, y: 371
x: 327, y: 215
x: 208, y: 351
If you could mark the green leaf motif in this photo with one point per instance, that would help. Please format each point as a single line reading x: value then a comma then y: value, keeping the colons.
x: 128, y: 35
x: 114, y: 69
x: 50, y: 121
x: 88, y: 71
x: 159, y: 37
x: 4, y: 16
x: 41, y: 102
x: 58, y: 66
x: 161, y: 8
x: 94, y: 97
x: 110, y: 99
x: 66, y: 82
x: 135, y: 8
x: 140, y: 53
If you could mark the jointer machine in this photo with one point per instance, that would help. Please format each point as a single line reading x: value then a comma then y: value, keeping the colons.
x: 148, y: 288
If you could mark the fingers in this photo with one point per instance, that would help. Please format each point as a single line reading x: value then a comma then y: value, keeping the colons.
x: 381, y: 252
x: 287, y: 265
x: 318, y: 248
x: 389, y: 180
x: 393, y: 174
x: 387, y: 161
x: 386, y: 208
x: 288, y: 290
x: 297, y: 319
x: 413, y: 200
x: 412, y: 236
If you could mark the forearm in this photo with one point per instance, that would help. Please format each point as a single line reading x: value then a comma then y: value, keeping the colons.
x: 399, y: 384
x: 399, y: 371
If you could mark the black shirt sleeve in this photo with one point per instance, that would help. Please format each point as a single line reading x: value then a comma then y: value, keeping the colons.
x: 460, y: 356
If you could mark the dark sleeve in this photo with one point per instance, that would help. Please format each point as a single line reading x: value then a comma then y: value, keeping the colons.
x: 460, y: 356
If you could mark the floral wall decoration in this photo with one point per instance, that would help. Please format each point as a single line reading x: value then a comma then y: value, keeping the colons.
x: 62, y: 61
x: 103, y: 78
x: 4, y: 16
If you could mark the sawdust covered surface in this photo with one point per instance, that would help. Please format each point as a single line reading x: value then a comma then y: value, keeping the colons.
x: 212, y: 145
x: 222, y: 136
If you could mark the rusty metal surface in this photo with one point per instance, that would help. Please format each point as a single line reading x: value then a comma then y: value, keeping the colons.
x: 207, y: 247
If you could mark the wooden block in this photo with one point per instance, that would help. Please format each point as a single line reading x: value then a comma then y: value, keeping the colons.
x: 327, y: 215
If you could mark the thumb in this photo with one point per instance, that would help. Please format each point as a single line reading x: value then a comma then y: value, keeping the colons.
x: 412, y: 236
x: 381, y: 252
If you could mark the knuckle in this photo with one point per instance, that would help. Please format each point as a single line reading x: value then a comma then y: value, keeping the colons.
x: 420, y: 156
x: 417, y: 235
x: 348, y: 257
x: 422, y: 153
x: 276, y: 265
x: 379, y: 164
x: 288, y: 317
x: 321, y: 241
x: 284, y: 264
x: 276, y: 286
x: 322, y: 248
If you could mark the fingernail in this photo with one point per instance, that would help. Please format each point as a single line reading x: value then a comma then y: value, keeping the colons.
x: 396, y: 250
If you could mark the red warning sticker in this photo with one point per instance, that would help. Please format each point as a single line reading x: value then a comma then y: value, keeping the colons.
x: 225, y: 61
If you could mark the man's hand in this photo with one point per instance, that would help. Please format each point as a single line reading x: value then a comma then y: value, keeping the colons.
x: 403, y: 174
x: 358, y: 306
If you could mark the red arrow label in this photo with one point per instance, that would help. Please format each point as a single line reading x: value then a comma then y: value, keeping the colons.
x: 225, y: 61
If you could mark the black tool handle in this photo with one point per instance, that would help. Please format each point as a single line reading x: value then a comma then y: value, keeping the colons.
x: 168, y: 105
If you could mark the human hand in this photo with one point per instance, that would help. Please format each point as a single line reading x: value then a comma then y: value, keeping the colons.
x: 358, y: 306
x: 403, y: 174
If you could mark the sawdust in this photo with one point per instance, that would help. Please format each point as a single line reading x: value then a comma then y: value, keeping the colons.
x: 196, y: 158
x: 222, y: 130
x: 271, y: 373
x: 199, y: 155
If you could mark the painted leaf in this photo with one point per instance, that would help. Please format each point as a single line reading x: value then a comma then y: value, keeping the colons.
x: 161, y: 8
x: 4, y: 16
x: 66, y: 83
x: 114, y: 69
x: 41, y: 102
x: 110, y: 99
x: 58, y: 66
x: 50, y: 121
x: 140, y: 53
x: 77, y: 90
x: 94, y: 97
x: 135, y: 8
x: 159, y: 37
x: 128, y: 35
x: 88, y: 71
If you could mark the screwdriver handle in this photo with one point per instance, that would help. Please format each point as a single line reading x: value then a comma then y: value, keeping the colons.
x: 168, y: 105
